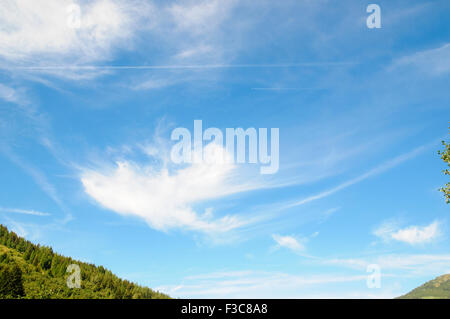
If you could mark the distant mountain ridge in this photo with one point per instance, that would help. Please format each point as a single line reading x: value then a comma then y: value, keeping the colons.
x: 438, y: 288
x: 33, y: 271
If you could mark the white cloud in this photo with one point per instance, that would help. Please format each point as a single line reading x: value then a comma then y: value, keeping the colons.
x: 30, y: 29
x: 412, y: 235
x: 40, y: 33
x: 166, y: 199
x: 434, y: 61
x: 289, y: 242
x: 38, y: 38
x: 416, y: 234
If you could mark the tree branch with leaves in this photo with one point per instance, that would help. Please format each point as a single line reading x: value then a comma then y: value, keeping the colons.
x: 445, y: 155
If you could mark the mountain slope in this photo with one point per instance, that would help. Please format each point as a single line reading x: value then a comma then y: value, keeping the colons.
x: 33, y: 271
x: 438, y: 288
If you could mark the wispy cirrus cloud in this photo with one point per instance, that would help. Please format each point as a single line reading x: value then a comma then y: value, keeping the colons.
x: 52, y: 32
x: 198, y: 24
x: 406, y: 264
x: 54, y: 38
x: 40, y: 179
x: 373, y: 172
x: 165, y: 198
x: 256, y: 284
x: 265, y: 284
x: 433, y: 61
x: 10, y: 94
x: 55, y: 31
x: 23, y: 211
x: 36, y: 129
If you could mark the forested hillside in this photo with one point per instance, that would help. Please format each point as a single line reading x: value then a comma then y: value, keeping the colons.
x: 438, y: 288
x: 33, y: 271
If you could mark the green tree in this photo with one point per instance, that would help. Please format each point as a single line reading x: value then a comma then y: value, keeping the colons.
x: 445, y: 155
x: 11, y: 282
x: 4, y: 281
x: 17, y: 281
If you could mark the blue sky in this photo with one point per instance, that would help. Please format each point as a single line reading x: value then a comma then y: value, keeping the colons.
x: 87, y: 111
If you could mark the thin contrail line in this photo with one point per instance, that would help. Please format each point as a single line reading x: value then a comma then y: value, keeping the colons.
x: 286, y: 89
x: 166, y: 67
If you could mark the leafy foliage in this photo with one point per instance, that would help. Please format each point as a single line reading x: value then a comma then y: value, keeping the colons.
x: 33, y: 271
x: 445, y: 155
